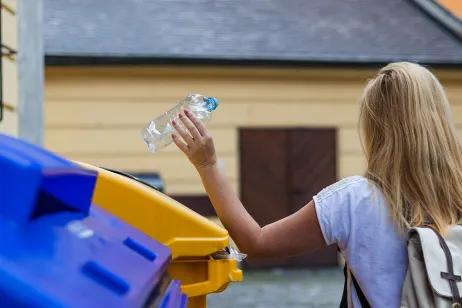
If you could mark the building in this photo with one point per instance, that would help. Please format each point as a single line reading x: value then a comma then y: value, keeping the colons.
x: 287, y: 73
x: 21, y: 69
x: 9, y: 68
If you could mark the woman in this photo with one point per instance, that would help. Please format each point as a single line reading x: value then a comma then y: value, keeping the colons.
x: 413, y: 177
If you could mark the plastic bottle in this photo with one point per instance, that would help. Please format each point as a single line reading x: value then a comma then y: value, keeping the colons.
x: 158, y: 133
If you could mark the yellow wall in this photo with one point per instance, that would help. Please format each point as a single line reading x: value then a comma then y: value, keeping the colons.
x: 95, y: 114
x: 9, y: 68
x: 454, y: 6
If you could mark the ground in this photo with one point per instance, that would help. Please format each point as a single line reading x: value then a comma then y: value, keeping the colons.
x: 283, y: 288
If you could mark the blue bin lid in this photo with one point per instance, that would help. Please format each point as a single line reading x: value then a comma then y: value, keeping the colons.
x: 57, y: 250
x: 40, y: 181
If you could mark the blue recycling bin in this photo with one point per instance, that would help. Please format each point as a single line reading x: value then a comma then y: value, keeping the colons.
x: 59, y: 250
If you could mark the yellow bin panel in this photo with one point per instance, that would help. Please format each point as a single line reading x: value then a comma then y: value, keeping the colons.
x: 205, y: 276
x: 169, y: 222
x: 201, y: 277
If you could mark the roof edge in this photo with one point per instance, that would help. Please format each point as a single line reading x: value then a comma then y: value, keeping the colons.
x: 442, y: 16
x: 77, y: 60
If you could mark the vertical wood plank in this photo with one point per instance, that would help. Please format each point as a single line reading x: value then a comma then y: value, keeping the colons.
x: 9, y: 29
x: 264, y: 187
x: 264, y: 173
x: 312, y: 161
x: 10, y: 82
x: 312, y: 166
x: 9, y: 124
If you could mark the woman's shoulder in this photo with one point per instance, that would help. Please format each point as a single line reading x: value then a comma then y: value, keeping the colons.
x: 350, y: 204
x: 350, y: 185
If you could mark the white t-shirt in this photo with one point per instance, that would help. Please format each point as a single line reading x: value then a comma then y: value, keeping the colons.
x: 354, y: 214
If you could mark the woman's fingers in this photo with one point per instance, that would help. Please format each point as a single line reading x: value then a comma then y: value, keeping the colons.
x: 180, y: 144
x: 190, y: 126
x: 198, y: 124
x: 183, y: 133
x: 198, y: 148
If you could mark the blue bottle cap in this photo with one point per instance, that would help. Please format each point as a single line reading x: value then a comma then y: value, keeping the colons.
x: 212, y: 103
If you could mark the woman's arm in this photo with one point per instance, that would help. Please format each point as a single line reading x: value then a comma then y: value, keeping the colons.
x: 292, y: 235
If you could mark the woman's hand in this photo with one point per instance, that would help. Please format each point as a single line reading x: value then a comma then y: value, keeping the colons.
x: 194, y: 140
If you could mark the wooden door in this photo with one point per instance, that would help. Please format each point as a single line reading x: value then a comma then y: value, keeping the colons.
x: 281, y: 170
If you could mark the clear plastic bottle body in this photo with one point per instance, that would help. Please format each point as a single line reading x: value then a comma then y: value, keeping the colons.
x: 158, y: 133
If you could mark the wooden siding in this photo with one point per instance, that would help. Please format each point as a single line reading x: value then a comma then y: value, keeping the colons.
x: 95, y: 114
x: 9, y: 29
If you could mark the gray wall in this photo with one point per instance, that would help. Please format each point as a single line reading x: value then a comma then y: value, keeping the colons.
x: 30, y: 70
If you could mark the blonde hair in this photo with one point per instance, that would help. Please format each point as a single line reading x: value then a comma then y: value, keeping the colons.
x: 411, y: 145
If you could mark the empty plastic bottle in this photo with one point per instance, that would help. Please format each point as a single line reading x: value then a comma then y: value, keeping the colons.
x: 158, y: 133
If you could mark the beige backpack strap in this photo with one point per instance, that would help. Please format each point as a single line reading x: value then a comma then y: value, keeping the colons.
x: 443, y: 266
x: 450, y: 276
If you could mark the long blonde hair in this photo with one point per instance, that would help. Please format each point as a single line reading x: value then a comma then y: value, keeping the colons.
x: 411, y: 145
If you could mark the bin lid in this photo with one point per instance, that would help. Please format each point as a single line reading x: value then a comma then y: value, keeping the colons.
x: 71, y: 260
x: 40, y: 181
x: 58, y: 250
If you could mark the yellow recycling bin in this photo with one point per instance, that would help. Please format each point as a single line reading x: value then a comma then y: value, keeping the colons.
x: 192, y: 238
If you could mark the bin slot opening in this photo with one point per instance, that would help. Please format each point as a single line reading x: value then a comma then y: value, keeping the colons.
x: 105, y: 277
x: 48, y: 204
x: 140, y: 249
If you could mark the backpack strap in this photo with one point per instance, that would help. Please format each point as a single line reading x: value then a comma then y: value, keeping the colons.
x: 362, y: 299
x: 450, y: 276
x: 344, y: 301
